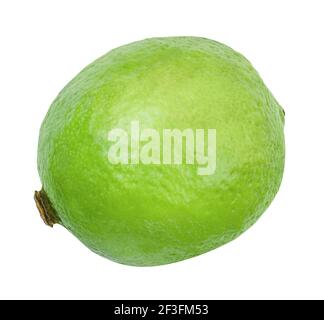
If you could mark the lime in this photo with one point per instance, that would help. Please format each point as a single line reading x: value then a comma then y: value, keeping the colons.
x: 161, y: 150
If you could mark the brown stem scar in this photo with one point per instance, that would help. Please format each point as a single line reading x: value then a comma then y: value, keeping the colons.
x: 44, y: 207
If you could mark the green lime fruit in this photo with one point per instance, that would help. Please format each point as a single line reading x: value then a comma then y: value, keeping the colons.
x: 161, y: 150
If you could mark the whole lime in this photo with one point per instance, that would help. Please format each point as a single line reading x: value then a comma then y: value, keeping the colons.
x: 161, y: 150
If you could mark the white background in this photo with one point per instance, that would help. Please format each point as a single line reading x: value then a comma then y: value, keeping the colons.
x: 43, y: 44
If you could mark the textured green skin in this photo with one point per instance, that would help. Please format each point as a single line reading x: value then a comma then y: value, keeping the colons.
x: 156, y: 214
